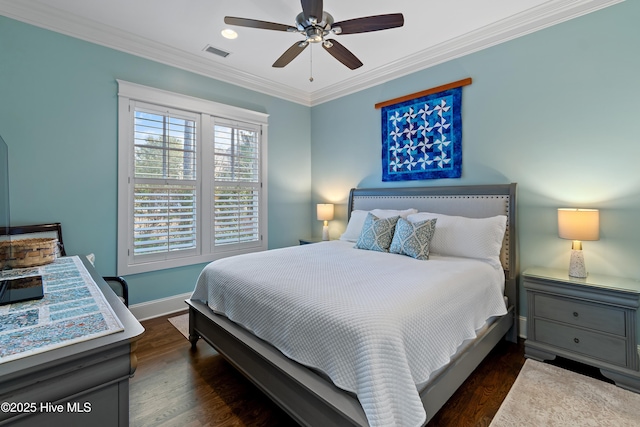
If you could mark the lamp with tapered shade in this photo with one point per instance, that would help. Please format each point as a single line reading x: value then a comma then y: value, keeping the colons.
x: 578, y: 225
x: 325, y: 213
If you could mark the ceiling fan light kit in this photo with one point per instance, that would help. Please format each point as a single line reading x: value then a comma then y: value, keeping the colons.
x: 316, y: 31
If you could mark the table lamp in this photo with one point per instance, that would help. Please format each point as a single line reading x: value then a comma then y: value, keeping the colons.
x: 578, y: 225
x: 325, y: 213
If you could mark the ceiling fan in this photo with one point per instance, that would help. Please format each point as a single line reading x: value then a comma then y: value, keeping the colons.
x: 316, y: 24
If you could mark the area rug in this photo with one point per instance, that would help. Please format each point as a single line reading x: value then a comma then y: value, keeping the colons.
x: 73, y: 310
x: 545, y: 395
x: 181, y: 323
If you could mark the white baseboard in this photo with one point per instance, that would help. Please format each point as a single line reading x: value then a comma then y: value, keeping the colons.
x: 522, y: 327
x: 159, y: 307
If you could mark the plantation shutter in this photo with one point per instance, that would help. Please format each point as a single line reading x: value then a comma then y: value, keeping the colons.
x: 192, y: 184
x: 165, y: 183
x: 236, y: 187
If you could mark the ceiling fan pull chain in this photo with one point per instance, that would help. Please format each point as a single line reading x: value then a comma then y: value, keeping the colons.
x: 311, y: 63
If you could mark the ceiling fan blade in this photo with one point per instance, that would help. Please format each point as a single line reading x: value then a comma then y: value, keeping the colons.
x: 342, y: 54
x: 290, y: 54
x: 312, y: 8
x: 254, y: 23
x: 370, y: 23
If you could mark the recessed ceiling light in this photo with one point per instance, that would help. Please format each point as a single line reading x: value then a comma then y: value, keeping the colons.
x: 228, y: 33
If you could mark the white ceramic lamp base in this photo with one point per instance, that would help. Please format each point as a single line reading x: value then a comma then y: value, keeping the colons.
x: 325, y: 232
x: 576, y: 265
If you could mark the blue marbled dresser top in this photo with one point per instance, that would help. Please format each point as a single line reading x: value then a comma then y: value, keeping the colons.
x: 73, y: 310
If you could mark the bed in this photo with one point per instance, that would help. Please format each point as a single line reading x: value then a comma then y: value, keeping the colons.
x: 306, y: 390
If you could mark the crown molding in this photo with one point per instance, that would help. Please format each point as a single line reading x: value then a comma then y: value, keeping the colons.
x: 50, y: 18
x: 535, y: 19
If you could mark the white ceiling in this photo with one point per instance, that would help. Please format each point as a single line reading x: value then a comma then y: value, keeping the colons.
x: 176, y: 32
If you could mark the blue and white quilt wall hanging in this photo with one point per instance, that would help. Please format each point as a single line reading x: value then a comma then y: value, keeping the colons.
x: 422, y: 137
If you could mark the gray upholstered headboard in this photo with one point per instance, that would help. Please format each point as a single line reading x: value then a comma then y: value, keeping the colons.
x: 470, y: 201
x: 476, y: 201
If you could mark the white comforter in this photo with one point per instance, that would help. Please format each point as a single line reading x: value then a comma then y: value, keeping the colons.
x: 376, y: 323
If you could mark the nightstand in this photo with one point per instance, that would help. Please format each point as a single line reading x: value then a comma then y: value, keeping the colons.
x: 591, y: 320
x: 310, y: 240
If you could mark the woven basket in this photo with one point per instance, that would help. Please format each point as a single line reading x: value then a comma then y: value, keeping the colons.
x: 27, y: 252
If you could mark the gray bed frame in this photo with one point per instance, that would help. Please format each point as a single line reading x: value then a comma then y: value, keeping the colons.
x: 309, y: 397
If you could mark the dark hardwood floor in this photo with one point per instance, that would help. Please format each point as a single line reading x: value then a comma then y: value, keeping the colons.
x: 175, y: 386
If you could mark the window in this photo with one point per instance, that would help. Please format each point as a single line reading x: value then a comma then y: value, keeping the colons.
x: 164, y: 182
x: 236, y: 184
x: 191, y: 186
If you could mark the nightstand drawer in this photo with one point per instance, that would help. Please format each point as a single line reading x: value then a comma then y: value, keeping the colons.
x: 596, y: 317
x: 603, y: 347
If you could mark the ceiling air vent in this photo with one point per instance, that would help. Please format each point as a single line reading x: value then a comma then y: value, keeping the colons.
x: 216, y: 51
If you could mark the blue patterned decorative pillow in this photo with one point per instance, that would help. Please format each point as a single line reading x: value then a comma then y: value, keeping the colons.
x: 377, y: 233
x: 413, y: 238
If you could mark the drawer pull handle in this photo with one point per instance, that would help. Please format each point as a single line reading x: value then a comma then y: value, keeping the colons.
x: 575, y: 314
x: 576, y: 340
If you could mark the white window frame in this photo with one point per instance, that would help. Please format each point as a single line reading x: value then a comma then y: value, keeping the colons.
x: 207, y: 112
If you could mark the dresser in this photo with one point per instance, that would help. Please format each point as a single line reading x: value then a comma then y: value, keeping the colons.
x: 591, y: 320
x: 81, y: 384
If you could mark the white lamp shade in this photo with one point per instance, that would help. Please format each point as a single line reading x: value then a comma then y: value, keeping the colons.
x: 325, y: 211
x: 579, y: 224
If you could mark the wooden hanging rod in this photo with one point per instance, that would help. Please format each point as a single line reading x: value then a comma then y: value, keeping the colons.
x: 442, y: 88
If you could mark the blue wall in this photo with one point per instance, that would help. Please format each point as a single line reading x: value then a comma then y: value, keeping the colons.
x: 58, y: 115
x: 556, y: 111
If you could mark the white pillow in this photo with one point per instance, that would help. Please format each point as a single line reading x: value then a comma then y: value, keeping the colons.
x: 354, y: 227
x: 479, y: 238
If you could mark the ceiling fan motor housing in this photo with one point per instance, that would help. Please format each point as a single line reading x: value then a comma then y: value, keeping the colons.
x: 313, y: 30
